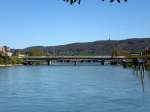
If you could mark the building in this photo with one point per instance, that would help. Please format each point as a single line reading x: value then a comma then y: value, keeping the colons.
x: 9, y: 54
x: 2, y: 49
x: 6, y: 50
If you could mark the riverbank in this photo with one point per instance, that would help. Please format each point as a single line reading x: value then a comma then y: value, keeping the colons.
x: 5, y: 65
x: 8, y: 65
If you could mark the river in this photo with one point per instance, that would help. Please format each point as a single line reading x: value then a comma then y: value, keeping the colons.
x: 74, y: 89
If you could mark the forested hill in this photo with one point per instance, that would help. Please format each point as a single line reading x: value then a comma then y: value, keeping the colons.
x: 102, y: 47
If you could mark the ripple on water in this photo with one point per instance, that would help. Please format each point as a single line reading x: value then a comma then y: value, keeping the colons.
x: 73, y: 89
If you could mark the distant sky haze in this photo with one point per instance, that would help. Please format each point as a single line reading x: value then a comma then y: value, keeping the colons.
x: 26, y: 23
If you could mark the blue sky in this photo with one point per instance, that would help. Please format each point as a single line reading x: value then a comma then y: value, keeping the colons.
x: 26, y: 23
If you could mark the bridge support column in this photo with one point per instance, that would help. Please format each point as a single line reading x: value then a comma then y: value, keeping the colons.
x: 29, y: 63
x: 75, y: 62
x: 48, y: 62
x: 102, y: 62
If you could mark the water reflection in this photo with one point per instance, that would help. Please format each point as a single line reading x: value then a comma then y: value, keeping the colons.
x: 74, y: 88
x: 139, y: 72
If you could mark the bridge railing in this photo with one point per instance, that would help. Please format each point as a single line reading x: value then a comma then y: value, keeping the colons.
x: 41, y: 57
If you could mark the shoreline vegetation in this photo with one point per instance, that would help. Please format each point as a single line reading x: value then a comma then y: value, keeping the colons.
x: 147, y: 65
x: 19, y: 62
x: 9, y: 60
x: 9, y: 65
x: 132, y: 48
x: 6, y: 61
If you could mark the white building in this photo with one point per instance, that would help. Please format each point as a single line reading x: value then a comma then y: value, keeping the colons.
x: 9, y: 54
x: 2, y: 49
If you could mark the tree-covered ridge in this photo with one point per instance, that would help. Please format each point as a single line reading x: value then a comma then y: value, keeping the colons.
x: 79, y: 1
x: 103, y: 47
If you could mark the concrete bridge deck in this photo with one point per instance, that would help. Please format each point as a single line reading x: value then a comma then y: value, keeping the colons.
x: 32, y: 58
x: 74, y: 59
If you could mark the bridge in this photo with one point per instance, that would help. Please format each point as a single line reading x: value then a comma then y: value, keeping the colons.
x: 74, y: 59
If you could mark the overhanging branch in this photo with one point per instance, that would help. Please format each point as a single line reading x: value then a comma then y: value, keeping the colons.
x: 79, y: 1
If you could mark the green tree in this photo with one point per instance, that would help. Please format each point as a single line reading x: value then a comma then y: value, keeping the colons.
x: 37, y: 52
x: 114, y: 52
x: 16, y: 60
x: 4, y: 59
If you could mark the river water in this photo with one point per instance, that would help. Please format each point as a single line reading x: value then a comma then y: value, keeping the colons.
x: 74, y: 89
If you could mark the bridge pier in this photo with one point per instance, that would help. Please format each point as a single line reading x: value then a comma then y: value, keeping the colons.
x: 49, y: 62
x: 102, y: 62
x: 27, y: 63
x: 75, y: 62
x: 73, y: 59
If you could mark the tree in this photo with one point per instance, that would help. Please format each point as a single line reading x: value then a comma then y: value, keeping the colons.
x: 79, y: 1
x: 16, y: 60
x: 4, y: 59
x: 37, y: 52
x: 114, y: 52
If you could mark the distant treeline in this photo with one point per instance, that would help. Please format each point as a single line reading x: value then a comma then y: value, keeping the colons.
x: 104, y: 47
